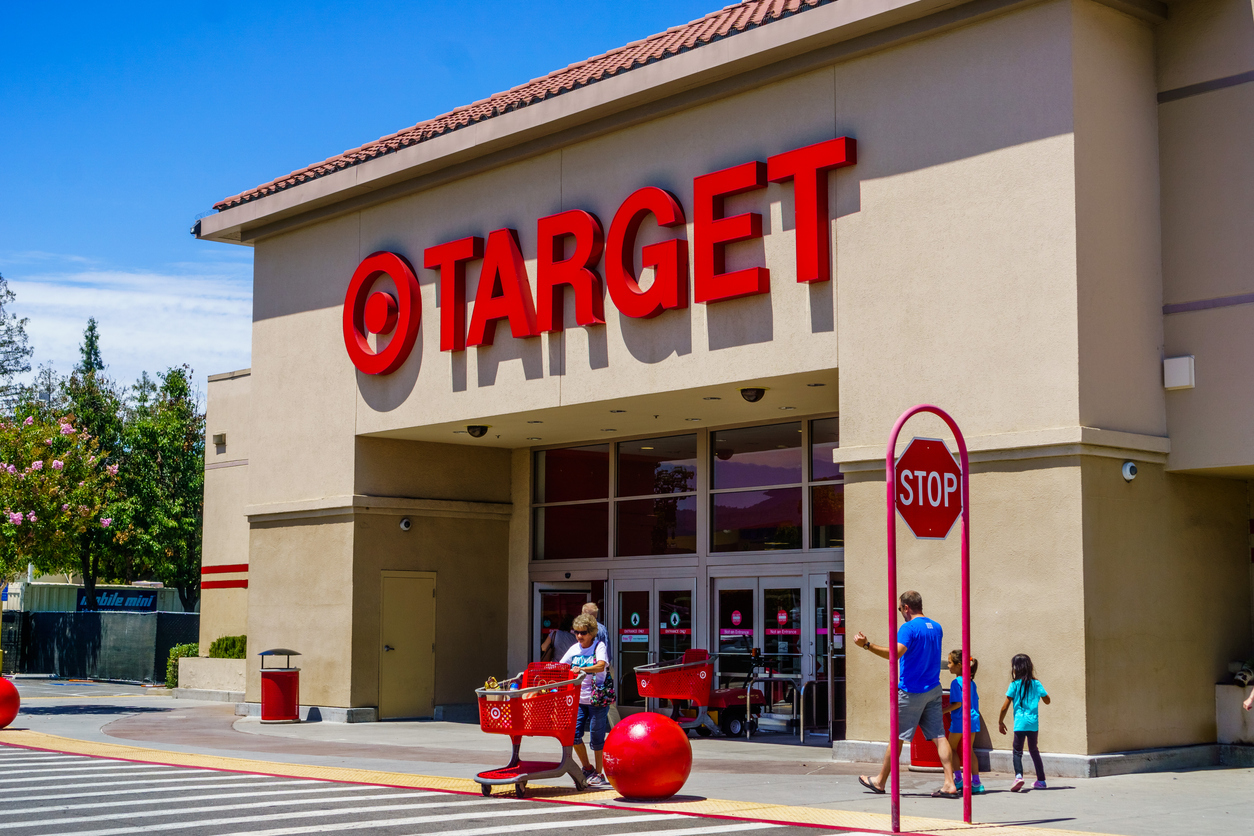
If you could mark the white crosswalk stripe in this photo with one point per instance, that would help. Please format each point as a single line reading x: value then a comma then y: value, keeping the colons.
x: 216, y: 778
x: 83, y: 796
x: 99, y: 774
x: 187, y: 799
x: 338, y: 811
x: 91, y: 767
x: 562, y: 823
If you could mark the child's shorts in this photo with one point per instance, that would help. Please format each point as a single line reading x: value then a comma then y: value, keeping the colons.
x: 956, y: 727
x: 594, y: 719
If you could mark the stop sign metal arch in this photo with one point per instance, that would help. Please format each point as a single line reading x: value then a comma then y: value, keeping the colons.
x: 890, y: 484
x: 927, y: 488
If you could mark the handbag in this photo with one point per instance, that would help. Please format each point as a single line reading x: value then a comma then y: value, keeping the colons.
x: 603, y: 694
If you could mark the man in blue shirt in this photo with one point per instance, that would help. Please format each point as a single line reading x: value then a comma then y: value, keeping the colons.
x: 919, y: 694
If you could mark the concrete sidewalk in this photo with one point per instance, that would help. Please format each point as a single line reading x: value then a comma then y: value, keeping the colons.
x: 760, y: 773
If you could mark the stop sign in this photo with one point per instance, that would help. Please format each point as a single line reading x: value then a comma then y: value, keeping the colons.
x: 928, y: 489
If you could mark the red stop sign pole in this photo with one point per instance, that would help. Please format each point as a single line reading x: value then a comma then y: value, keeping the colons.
x: 920, y: 487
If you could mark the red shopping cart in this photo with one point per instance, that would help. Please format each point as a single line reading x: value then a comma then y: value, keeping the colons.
x: 545, y: 704
x: 689, y: 679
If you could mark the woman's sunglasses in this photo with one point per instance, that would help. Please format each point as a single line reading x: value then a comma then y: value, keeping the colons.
x: 581, y: 632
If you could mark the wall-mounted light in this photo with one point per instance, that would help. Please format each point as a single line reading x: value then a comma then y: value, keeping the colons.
x: 1178, y: 372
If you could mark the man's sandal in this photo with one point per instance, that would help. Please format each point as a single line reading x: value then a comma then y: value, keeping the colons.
x: 943, y: 794
x: 869, y: 784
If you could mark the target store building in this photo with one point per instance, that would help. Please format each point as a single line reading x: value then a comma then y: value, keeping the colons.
x: 636, y: 332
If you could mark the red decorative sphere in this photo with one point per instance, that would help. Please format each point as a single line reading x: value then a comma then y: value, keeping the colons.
x: 10, y: 702
x: 647, y: 757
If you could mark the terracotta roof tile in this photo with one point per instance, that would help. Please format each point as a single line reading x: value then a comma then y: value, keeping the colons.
x: 730, y: 20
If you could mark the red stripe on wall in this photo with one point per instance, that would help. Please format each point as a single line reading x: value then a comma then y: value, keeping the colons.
x: 226, y: 567
x: 224, y: 585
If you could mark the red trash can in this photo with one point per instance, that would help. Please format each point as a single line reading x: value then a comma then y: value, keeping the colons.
x: 280, y: 689
x: 923, y: 754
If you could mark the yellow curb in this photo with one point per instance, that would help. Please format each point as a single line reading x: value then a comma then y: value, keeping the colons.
x: 821, y: 817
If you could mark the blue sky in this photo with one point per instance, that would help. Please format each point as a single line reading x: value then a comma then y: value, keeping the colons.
x: 121, y: 123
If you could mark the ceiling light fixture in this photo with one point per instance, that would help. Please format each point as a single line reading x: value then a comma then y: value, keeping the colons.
x: 646, y: 448
x: 617, y: 411
x: 711, y: 398
x: 788, y: 407
x: 533, y: 438
x: 815, y: 385
x: 692, y: 419
x: 609, y: 430
x: 535, y: 422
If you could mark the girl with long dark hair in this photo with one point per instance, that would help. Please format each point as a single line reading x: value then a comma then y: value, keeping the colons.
x: 1025, y: 694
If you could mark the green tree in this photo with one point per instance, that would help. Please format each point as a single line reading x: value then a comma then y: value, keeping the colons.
x: 159, y: 521
x: 55, y: 487
x: 15, y: 350
x: 89, y: 352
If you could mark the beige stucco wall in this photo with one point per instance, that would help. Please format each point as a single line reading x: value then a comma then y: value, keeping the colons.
x: 469, y: 559
x: 1027, y: 592
x: 1166, y: 565
x: 228, y: 409
x: 1118, y: 254
x: 301, y: 598
x: 1207, y: 221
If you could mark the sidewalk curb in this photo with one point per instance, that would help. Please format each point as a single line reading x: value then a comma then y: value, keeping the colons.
x: 842, y: 820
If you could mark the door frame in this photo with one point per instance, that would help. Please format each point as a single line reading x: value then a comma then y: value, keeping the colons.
x: 653, y: 586
x: 550, y: 586
x: 435, y: 597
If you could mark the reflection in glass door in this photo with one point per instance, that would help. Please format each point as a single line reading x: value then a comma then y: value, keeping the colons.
x: 781, y: 609
x: 735, y: 633
x: 634, y: 619
x: 830, y: 650
x: 555, y: 610
x: 675, y: 623
x: 654, y: 624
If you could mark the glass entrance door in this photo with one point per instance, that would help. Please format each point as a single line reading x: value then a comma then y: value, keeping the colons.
x: 556, y: 605
x: 654, y: 623
x: 736, y: 628
x: 634, y: 642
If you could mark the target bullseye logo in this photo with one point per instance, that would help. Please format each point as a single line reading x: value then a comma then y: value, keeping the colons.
x: 495, y: 713
x: 701, y: 674
x: 570, y: 700
x: 381, y: 313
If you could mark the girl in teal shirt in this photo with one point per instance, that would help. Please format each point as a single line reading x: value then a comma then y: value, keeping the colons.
x: 1025, y: 693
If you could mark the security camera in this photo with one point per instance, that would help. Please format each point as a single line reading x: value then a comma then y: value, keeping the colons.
x: 406, y: 524
x: 752, y: 395
x: 1129, y: 471
x: 477, y: 430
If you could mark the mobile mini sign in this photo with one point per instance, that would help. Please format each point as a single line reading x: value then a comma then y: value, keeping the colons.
x: 505, y: 288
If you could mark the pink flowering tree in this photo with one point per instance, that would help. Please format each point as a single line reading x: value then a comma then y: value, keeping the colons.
x: 56, y: 489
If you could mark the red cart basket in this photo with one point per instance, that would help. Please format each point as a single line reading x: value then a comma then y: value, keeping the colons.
x: 690, y: 679
x: 546, y: 704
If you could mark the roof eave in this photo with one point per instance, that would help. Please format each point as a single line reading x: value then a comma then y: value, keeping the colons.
x: 832, y: 24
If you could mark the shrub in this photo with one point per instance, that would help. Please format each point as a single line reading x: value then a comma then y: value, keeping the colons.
x: 172, y: 665
x: 229, y: 647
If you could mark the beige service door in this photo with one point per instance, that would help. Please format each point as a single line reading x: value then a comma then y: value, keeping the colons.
x: 407, y: 647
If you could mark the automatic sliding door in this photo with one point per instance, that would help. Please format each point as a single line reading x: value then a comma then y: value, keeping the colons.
x: 734, y: 601
x: 634, y: 617
x: 675, y: 602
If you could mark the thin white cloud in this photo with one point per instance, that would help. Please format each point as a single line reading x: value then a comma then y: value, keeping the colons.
x: 198, y: 314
